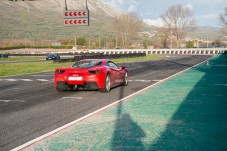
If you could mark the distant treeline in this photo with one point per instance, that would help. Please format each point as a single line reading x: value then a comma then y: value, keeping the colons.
x: 37, y: 47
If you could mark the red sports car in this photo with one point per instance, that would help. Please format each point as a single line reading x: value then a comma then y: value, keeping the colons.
x: 91, y: 74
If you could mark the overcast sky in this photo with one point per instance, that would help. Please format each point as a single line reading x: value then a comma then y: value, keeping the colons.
x: 206, y: 12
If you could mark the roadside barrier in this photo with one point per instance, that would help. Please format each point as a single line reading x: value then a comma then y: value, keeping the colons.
x: 194, y: 51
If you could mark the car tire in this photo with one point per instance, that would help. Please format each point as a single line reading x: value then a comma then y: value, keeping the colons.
x: 61, y: 87
x: 107, y: 85
x: 125, y: 82
x: 71, y: 87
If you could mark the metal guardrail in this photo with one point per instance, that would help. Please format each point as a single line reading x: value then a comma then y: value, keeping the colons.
x: 194, y: 51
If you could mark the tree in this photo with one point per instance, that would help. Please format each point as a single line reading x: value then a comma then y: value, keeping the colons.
x: 127, y: 26
x: 165, y: 36
x: 81, y: 41
x: 178, y: 20
x: 223, y: 19
x: 190, y: 44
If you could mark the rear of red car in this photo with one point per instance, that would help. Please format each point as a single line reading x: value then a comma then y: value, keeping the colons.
x: 80, y: 77
x: 75, y: 78
x: 90, y: 74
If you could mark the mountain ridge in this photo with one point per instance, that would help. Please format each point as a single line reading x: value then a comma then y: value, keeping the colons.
x: 33, y: 19
x: 42, y: 20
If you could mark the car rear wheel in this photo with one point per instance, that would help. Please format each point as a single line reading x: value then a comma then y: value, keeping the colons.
x: 125, y: 82
x: 61, y: 86
x: 107, y: 84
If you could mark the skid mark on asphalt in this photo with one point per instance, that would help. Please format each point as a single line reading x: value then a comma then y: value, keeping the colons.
x: 79, y: 98
x: 141, y: 80
x: 42, y: 75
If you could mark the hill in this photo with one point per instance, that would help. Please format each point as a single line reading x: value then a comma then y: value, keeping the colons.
x: 207, y: 33
x: 42, y: 20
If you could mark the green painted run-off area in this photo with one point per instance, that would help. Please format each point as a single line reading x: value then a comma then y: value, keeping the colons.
x: 187, y: 112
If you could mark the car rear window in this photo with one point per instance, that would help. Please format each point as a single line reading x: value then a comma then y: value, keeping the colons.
x: 86, y: 64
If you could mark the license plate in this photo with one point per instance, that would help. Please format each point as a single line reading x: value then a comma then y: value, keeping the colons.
x: 75, y: 78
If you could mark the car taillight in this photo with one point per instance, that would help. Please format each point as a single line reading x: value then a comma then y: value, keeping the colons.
x: 60, y: 71
x: 94, y: 71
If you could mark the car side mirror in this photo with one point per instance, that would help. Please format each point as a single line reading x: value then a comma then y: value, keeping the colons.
x: 122, y: 67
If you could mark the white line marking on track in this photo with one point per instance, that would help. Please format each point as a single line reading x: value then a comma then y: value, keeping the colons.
x: 156, y: 80
x: 10, y: 79
x: 6, y: 101
x: 139, y: 80
x: 97, y: 111
x: 42, y: 80
x: 26, y: 80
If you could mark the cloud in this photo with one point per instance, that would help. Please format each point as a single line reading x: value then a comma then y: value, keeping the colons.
x: 122, y: 5
x: 117, y: 2
x: 205, y: 11
x: 131, y: 8
x: 155, y: 22
x: 190, y: 6
x: 209, y: 2
x: 211, y: 15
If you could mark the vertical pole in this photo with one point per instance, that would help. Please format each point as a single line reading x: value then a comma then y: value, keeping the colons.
x: 106, y: 43
x: 75, y: 42
x: 99, y: 43
x: 66, y: 5
x: 89, y: 42
x: 88, y: 12
x: 25, y: 42
x: 86, y: 5
x: 171, y: 43
x: 116, y: 40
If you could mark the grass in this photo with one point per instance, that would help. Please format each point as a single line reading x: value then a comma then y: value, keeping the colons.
x: 148, y: 57
x: 19, y: 58
x: 25, y: 68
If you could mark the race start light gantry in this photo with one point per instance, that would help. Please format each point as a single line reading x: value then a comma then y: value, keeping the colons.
x: 76, y: 13
x: 77, y: 21
x: 76, y: 17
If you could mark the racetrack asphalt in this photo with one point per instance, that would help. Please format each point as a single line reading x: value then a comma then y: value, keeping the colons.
x: 186, y: 112
x: 31, y: 107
